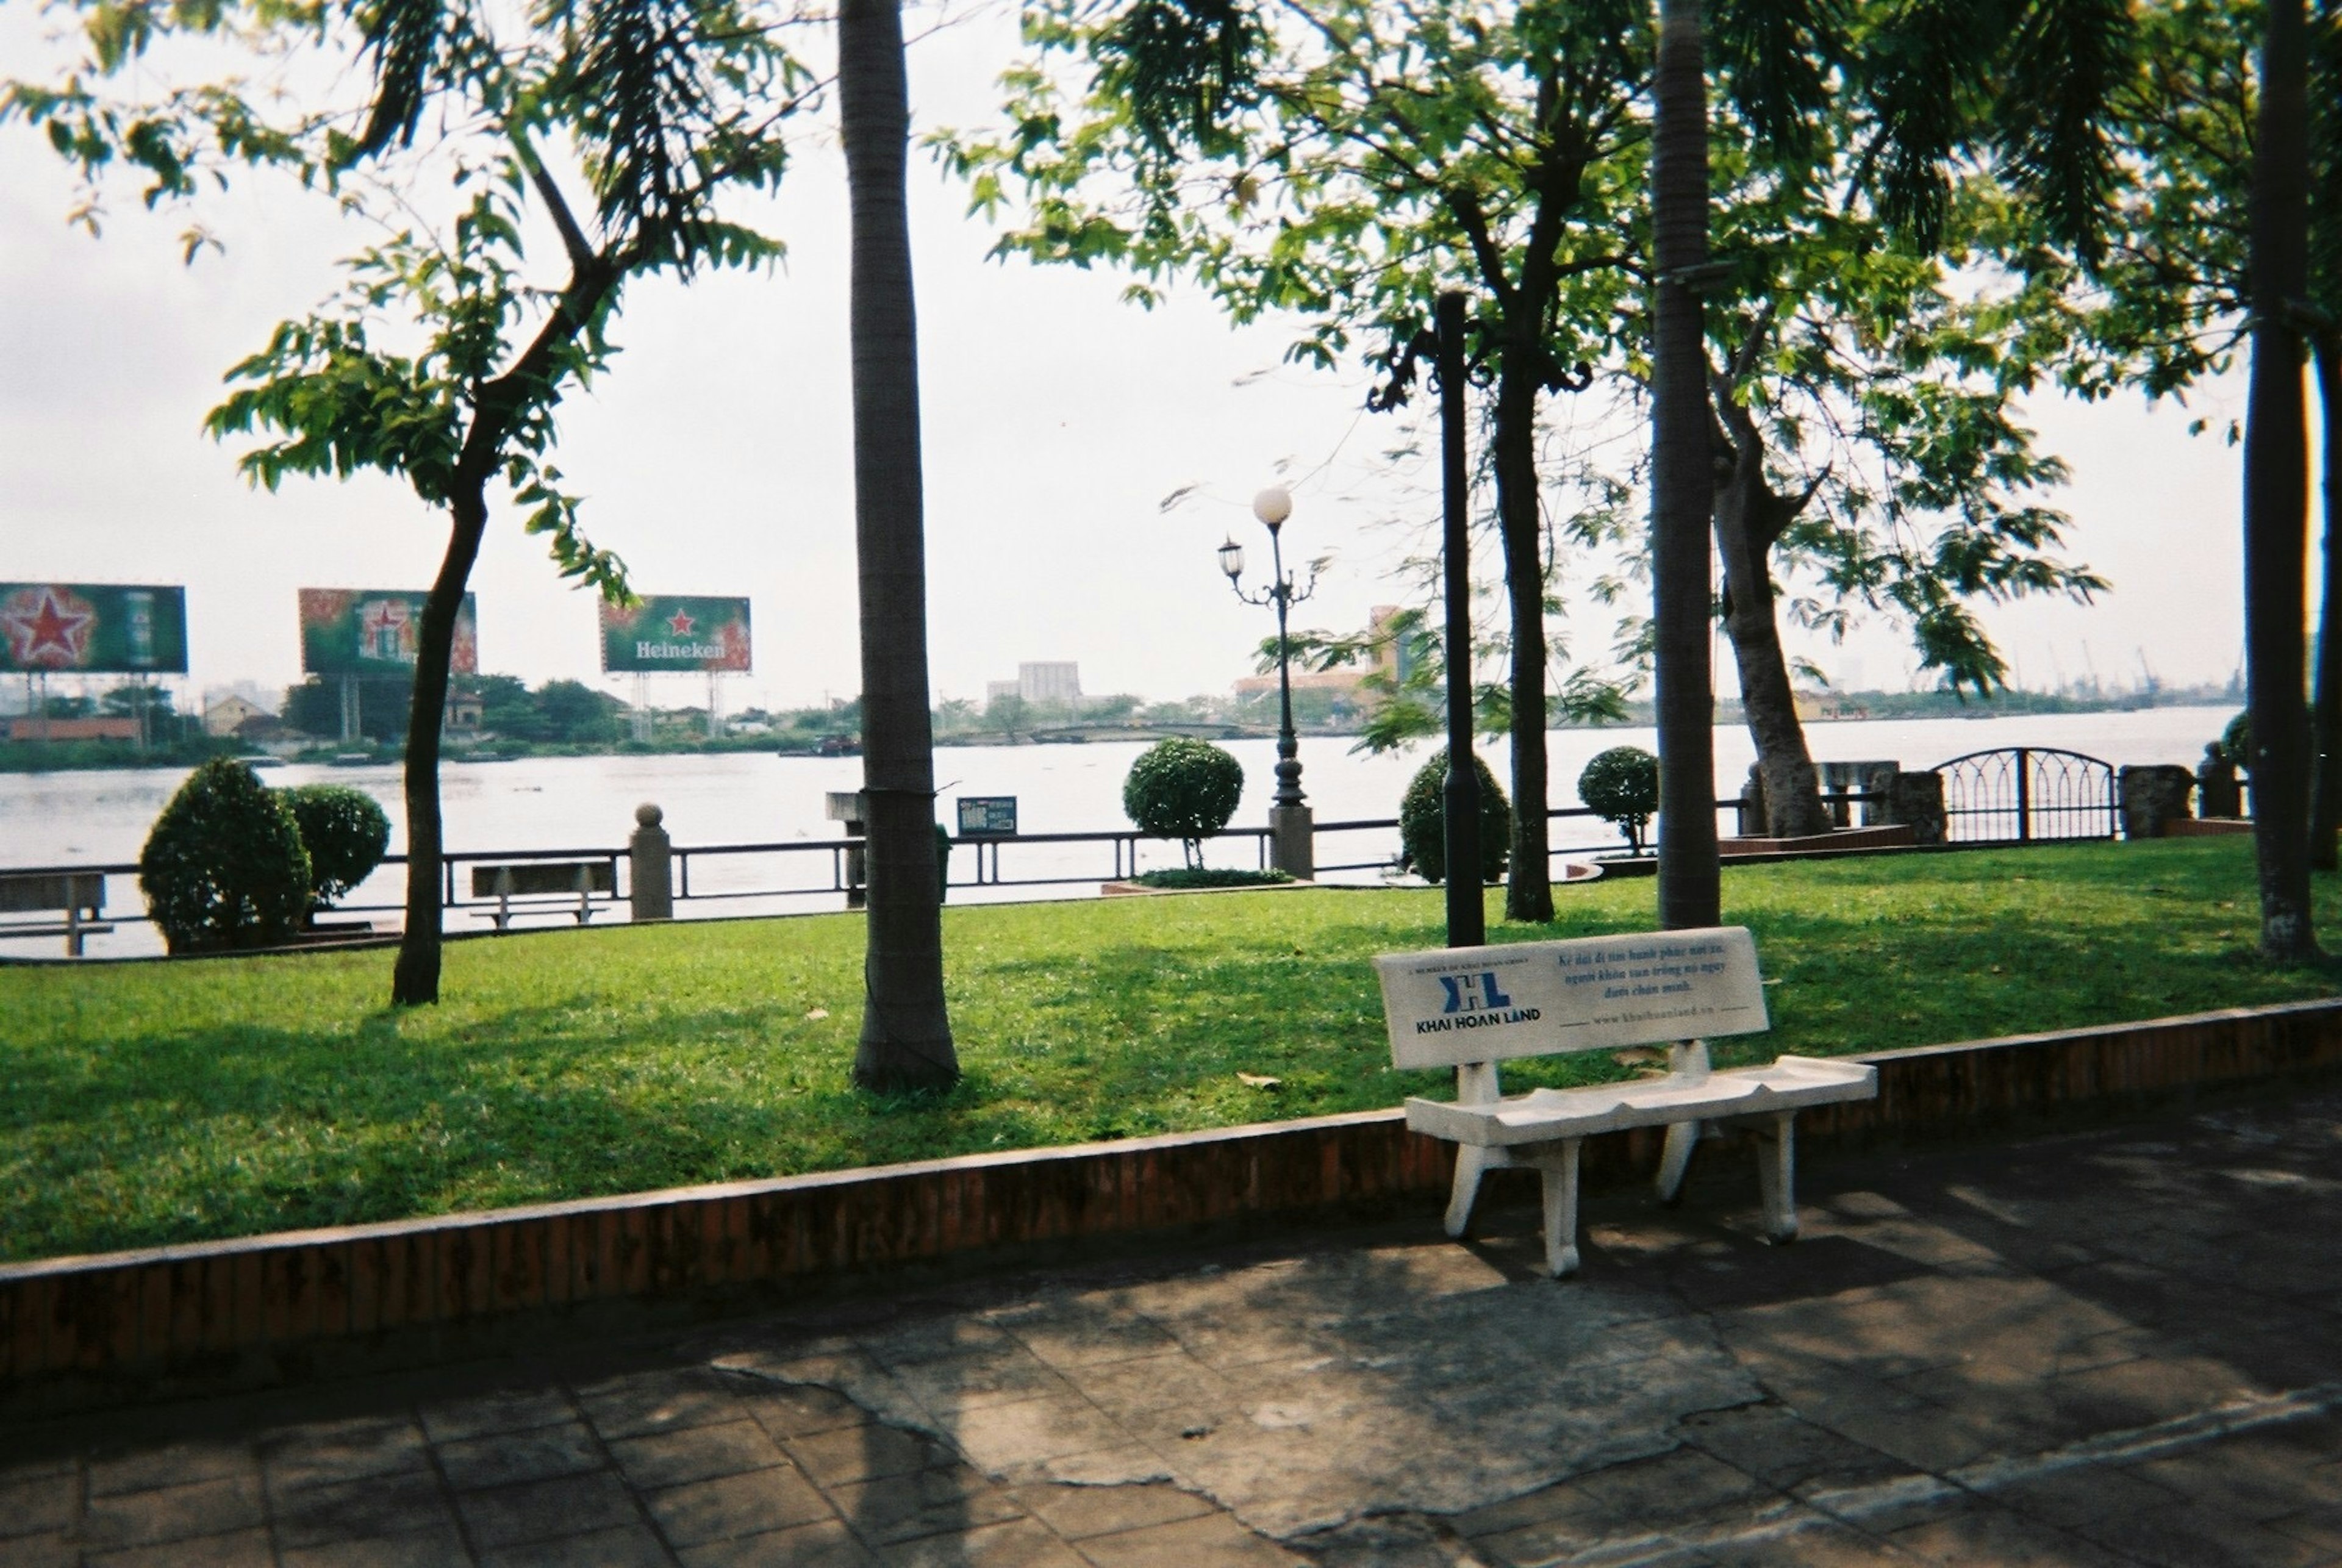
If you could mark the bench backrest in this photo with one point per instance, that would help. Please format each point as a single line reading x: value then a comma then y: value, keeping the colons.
x: 1464, y: 1005
x: 531, y: 878
x: 24, y: 892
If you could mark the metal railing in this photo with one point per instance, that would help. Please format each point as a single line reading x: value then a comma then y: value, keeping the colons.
x: 710, y: 880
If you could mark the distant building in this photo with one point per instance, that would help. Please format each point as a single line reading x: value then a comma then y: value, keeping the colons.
x: 1049, y: 683
x: 31, y: 727
x: 996, y: 689
x: 228, y: 715
x: 463, y: 713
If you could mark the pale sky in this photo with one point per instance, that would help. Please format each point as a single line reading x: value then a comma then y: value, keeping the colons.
x: 716, y: 457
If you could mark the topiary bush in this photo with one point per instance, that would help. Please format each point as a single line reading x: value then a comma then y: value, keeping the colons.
x: 224, y: 866
x: 2237, y: 742
x: 1183, y: 789
x: 1423, y: 822
x: 1623, y: 785
x: 344, y: 832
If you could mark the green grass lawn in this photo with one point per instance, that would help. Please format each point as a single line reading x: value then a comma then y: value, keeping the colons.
x: 160, y: 1103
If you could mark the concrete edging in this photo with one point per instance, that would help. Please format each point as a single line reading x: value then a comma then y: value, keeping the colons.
x: 206, y: 1308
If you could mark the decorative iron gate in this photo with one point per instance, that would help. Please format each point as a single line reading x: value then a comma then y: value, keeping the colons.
x: 2025, y: 792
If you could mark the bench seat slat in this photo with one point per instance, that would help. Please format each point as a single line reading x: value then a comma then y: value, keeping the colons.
x: 1544, y: 1115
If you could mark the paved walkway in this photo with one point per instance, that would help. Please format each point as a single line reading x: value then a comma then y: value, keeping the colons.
x: 2120, y: 1347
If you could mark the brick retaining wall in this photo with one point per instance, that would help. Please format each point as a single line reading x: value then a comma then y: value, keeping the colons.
x: 209, y: 1308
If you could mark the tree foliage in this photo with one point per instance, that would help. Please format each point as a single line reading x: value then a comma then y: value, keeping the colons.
x: 1621, y: 786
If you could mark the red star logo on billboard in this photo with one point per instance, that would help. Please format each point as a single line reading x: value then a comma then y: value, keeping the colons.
x: 681, y: 623
x: 47, y: 628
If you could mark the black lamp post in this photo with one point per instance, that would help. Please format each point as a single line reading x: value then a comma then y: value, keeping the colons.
x: 1291, y: 850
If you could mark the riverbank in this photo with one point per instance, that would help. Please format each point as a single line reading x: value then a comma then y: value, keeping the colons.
x: 174, y: 1103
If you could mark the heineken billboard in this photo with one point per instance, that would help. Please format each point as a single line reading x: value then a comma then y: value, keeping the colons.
x: 92, y: 628
x: 667, y: 632
x: 361, y: 632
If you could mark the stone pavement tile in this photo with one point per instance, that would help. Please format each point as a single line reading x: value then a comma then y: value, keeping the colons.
x: 828, y: 1544
x: 436, y: 1548
x: 671, y: 1457
x: 939, y: 1336
x: 730, y: 1505
x: 36, y: 1467
x: 1015, y: 1439
x: 1806, y: 1540
x: 2192, y: 1535
x: 2257, y: 1479
x: 2320, y: 1527
x: 1781, y: 1448
x: 1978, y: 1534
x: 175, y: 1464
x: 1543, y: 1525
x: 2070, y: 1497
x: 848, y: 1454
x: 1393, y: 1540
x: 542, y: 1509
x: 1173, y: 1382
x: 1206, y: 1540
x: 996, y: 1374
x: 1077, y: 1333
x: 503, y: 1410
x: 1015, y: 1544
x: 1684, y: 1486
x: 54, y: 1550
x: 377, y: 1505
x: 31, y: 1507
x: 532, y: 1454
x: 326, y: 1452
x: 1075, y: 1511
x: 923, y: 1502
x: 659, y: 1401
x: 800, y: 1410
x: 2143, y: 1391
x: 236, y: 1548
x: 619, y: 1546
x: 174, y: 1513
x: 1133, y: 1465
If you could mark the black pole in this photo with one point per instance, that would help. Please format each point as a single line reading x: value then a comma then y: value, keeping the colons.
x: 1467, y: 919
x: 1288, y: 744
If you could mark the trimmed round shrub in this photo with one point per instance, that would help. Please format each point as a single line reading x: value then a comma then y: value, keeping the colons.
x: 1183, y: 789
x: 2237, y: 742
x: 1623, y: 785
x: 224, y: 866
x: 344, y: 832
x: 1423, y: 822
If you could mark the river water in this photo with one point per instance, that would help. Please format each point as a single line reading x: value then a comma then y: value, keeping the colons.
x: 588, y: 803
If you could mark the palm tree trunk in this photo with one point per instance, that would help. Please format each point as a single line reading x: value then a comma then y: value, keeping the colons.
x: 907, y: 1040
x: 1682, y: 481
x: 414, y: 979
x: 1528, y: 880
x: 2277, y: 490
x: 2325, y: 712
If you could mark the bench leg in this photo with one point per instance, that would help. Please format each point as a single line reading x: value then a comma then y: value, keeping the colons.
x: 1559, y: 1171
x: 1776, y: 1168
x: 1471, y: 1164
x: 1683, y: 1138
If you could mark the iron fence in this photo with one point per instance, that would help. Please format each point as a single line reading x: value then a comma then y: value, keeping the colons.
x: 2020, y: 793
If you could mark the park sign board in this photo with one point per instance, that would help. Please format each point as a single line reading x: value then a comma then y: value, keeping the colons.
x: 674, y: 632
x: 92, y: 628
x: 369, y: 632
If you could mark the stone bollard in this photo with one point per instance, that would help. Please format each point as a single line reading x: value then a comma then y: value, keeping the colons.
x: 2152, y: 795
x: 650, y: 878
x: 1915, y: 800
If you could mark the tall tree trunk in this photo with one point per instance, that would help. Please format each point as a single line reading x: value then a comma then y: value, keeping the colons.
x: 2277, y: 490
x: 907, y: 1040
x: 1682, y: 481
x: 2325, y: 712
x: 1748, y: 517
x: 414, y: 979
x: 1528, y: 880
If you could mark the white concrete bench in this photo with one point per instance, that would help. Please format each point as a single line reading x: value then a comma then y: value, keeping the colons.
x: 572, y: 883
x: 1472, y: 1007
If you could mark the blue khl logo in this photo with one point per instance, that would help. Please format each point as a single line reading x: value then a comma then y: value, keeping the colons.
x: 1473, y: 993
